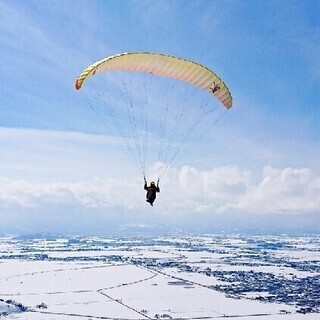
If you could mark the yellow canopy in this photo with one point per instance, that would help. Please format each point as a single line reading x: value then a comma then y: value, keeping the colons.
x: 164, y: 66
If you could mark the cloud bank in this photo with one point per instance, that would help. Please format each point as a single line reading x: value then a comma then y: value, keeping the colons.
x: 219, y: 190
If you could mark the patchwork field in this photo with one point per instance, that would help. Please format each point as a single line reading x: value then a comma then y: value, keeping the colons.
x: 207, y: 277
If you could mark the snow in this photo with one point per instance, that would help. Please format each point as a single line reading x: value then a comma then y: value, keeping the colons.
x: 6, y: 308
x: 81, y: 280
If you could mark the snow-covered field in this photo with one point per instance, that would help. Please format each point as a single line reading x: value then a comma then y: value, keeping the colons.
x: 203, y: 277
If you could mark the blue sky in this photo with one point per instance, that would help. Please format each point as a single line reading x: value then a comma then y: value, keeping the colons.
x: 61, y: 172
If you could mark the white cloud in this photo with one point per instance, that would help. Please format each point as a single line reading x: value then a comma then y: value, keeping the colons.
x: 25, y: 194
x: 228, y: 189
x: 49, y: 167
x: 95, y: 193
x: 289, y: 189
x: 220, y: 190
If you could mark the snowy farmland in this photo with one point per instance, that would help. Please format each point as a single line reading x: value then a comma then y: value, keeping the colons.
x: 203, y: 277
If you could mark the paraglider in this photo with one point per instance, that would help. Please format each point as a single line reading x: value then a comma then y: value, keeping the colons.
x: 164, y: 66
x: 139, y: 122
x: 152, y: 191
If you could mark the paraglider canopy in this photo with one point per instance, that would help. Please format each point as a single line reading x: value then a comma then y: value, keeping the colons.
x: 151, y: 100
x: 164, y: 66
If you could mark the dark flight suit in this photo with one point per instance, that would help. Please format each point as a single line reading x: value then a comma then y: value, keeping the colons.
x: 151, y: 192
